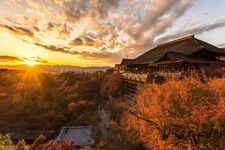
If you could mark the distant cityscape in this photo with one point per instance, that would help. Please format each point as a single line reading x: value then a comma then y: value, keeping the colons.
x: 56, y: 69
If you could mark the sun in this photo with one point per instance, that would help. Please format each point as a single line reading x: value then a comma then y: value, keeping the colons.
x: 30, y: 62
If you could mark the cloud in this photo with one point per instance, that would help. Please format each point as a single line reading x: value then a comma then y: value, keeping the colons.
x: 68, y: 27
x: 54, y: 48
x: 6, y: 58
x: 158, y: 17
x: 85, y: 41
x: 194, y: 30
x: 17, y: 30
x: 16, y: 3
x: 76, y: 9
x: 82, y: 54
x: 36, y: 59
x: 154, y: 12
x: 96, y: 29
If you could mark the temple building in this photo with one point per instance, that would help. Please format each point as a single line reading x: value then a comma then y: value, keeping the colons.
x: 175, y: 58
x: 123, y: 65
x: 178, y: 58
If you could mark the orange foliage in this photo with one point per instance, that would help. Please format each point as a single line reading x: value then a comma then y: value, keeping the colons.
x: 111, y: 85
x: 74, y: 105
x: 39, y: 144
x: 184, y: 114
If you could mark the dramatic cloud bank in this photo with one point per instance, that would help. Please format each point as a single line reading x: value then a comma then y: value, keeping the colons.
x: 99, y: 29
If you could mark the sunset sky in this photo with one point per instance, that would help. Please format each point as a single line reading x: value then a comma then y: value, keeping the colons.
x: 101, y: 32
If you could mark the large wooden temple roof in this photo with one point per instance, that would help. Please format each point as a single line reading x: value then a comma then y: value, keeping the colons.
x: 180, y: 50
x: 126, y: 61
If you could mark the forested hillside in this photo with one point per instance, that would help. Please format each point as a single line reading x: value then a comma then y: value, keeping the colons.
x: 177, y: 114
x: 38, y: 101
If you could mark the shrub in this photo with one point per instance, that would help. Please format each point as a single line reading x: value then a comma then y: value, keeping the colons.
x: 38, y: 144
x: 111, y: 85
x: 6, y: 143
x: 180, y: 114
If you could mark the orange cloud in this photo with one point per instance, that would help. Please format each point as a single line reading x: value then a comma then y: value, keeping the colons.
x: 6, y: 58
x: 95, y: 29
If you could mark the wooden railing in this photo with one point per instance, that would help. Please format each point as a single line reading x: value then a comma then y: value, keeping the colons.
x: 135, y: 77
x: 143, y: 77
x: 167, y: 74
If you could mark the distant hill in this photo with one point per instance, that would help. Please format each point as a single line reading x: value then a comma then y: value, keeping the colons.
x: 58, y: 68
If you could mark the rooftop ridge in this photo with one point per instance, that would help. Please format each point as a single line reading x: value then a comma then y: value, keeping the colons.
x: 177, y: 40
x: 127, y: 59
